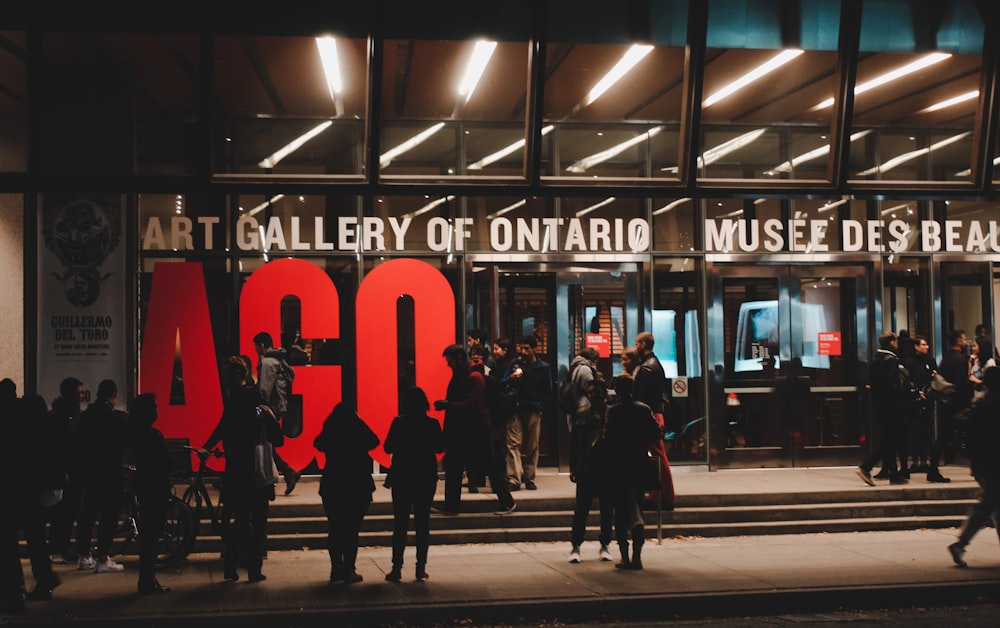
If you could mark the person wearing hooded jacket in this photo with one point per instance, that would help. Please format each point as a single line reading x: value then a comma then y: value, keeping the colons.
x: 273, y: 374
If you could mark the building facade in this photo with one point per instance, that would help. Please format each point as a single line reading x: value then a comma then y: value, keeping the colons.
x: 765, y: 185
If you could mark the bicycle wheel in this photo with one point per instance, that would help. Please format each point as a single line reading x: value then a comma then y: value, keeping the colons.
x: 126, y: 528
x: 177, y: 539
x: 193, y: 499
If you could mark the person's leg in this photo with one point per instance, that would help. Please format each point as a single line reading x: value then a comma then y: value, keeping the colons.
x: 529, y: 445
x: 581, y: 510
x: 495, y: 471
x: 64, y: 515
x: 153, y: 516
x: 235, y: 533
x: 422, y: 499
x: 454, y: 465
x: 89, y: 509
x: 402, y: 499
x: 356, y: 517
x: 290, y: 475
x: 258, y: 537
x: 943, y: 442
x: 33, y: 526
x: 513, y: 454
x: 336, y: 560
x: 109, y: 502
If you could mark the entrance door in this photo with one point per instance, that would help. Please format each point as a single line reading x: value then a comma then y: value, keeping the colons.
x: 566, y: 310
x: 790, y: 347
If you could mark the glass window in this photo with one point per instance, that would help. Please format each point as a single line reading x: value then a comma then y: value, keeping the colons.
x: 181, y: 223
x: 614, y: 81
x: 674, y: 224
x: 763, y: 70
x: 676, y: 326
x: 116, y: 104
x: 290, y: 105
x: 287, y: 225
x: 495, y: 222
x: 13, y: 102
x: 917, y: 92
x: 453, y: 108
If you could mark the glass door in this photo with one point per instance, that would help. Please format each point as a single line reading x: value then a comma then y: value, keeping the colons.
x: 788, y: 353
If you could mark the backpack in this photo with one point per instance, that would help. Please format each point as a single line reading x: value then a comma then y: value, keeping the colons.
x: 569, y: 395
x: 281, y: 392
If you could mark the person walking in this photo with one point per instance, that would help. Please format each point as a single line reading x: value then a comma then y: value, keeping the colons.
x: 650, y: 388
x: 589, y: 471
x: 414, y: 440
x: 954, y: 368
x: 245, y: 424
x: 151, y: 483
x: 274, y: 380
x: 532, y: 378
x: 345, y: 487
x: 984, y: 455
x: 890, y: 387
x: 101, y: 434
x: 629, y: 433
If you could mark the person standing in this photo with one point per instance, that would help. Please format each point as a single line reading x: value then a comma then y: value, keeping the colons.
x: 650, y: 388
x: 485, y: 458
x: 954, y: 368
x: 414, y: 440
x: 151, y: 483
x: 62, y: 424
x: 274, y: 380
x: 984, y: 454
x: 589, y: 471
x: 629, y: 434
x: 532, y: 378
x: 464, y: 415
x: 921, y: 366
x: 630, y: 360
x: 24, y: 446
x: 244, y: 425
x: 346, y: 486
x: 890, y: 390
x: 101, y: 433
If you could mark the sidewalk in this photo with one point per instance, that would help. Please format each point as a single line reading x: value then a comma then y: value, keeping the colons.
x: 683, y: 577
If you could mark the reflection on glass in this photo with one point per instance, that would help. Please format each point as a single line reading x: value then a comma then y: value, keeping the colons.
x: 13, y: 102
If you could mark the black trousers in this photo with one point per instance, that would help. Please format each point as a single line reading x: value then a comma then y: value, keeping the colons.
x: 102, y: 500
x: 586, y: 491
x: 407, y: 497
x: 248, y: 532
x: 344, y: 515
x: 892, y: 435
x: 153, y: 514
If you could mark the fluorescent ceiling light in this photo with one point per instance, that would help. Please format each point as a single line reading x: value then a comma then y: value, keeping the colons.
x: 508, y: 209
x: 632, y: 56
x: 832, y: 205
x: 816, y: 153
x: 259, y: 208
x: 913, y: 154
x: 587, y: 210
x: 886, y: 212
x: 965, y: 173
x: 503, y: 152
x: 429, y: 206
x: 713, y: 155
x: 386, y: 158
x: 760, y: 71
x: 477, y: 65
x: 286, y: 150
x: 909, y: 68
x: 951, y: 101
x: 331, y: 69
x: 669, y: 206
x: 588, y: 162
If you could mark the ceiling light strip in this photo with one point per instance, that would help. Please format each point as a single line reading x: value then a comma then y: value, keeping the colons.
x: 909, y: 68
x: 481, y: 54
x: 286, y: 150
x: 589, y: 162
x: 632, y: 56
x: 386, y: 158
x: 753, y: 75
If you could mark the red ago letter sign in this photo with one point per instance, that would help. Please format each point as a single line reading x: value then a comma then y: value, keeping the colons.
x: 377, y: 341
x: 260, y: 310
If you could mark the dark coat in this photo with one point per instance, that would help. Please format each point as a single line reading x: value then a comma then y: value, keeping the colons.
x: 414, y: 442
x: 629, y: 432
x: 650, y: 383
x: 241, y: 428
x: 346, y: 441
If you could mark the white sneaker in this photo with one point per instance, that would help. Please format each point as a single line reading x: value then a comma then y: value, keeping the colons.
x: 108, y: 566
x: 574, y: 556
x: 86, y: 562
x: 606, y: 554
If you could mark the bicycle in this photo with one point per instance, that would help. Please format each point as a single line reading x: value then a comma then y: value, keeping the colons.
x: 177, y: 537
x: 198, y: 499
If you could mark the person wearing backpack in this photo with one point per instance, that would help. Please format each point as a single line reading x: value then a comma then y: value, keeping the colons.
x: 573, y: 399
x: 274, y: 380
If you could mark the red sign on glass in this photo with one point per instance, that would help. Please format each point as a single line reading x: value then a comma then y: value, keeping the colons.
x: 829, y: 343
x: 601, y: 342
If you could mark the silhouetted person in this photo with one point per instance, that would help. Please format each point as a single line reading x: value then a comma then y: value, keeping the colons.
x: 245, y: 424
x: 464, y: 415
x: 414, y: 440
x: 151, y: 484
x: 101, y: 435
x: 890, y: 393
x: 650, y: 388
x: 62, y: 425
x: 346, y: 486
x: 590, y: 472
x: 274, y: 380
x: 954, y: 368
